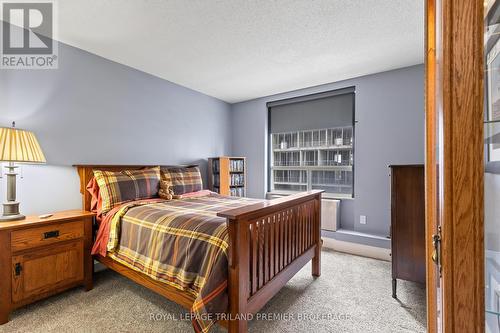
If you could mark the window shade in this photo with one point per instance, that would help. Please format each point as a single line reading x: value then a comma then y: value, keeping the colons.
x: 325, y: 112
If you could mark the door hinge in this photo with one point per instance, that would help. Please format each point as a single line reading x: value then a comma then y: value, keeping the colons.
x: 436, y: 253
x: 18, y: 268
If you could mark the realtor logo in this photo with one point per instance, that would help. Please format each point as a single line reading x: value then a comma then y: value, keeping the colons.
x: 27, y: 35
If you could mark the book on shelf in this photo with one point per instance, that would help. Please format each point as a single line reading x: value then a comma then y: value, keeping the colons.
x: 215, y: 166
x: 237, y: 179
x: 237, y: 192
x: 236, y: 165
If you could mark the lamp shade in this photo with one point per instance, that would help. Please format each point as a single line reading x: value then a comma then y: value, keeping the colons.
x: 18, y: 145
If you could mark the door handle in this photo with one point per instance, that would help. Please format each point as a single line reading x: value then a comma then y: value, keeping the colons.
x: 436, y: 253
x: 435, y: 243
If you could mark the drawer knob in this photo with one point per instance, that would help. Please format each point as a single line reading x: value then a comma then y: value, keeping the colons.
x: 51, y: 234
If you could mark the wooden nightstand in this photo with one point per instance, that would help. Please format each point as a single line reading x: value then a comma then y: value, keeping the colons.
x: 42, y: 257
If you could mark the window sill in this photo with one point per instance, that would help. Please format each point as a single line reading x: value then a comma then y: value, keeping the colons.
x: 332, y: 196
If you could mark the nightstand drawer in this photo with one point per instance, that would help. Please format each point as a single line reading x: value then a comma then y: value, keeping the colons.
x: 34, y: 237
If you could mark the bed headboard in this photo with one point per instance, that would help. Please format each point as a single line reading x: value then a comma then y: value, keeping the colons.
x: 86, y: 172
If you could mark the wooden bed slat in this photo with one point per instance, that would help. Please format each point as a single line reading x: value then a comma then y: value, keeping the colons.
x: 261, y: 253
x: 276, y: 245
x: 266, y: 250
x: 271, y: 247
x: 255, y: 247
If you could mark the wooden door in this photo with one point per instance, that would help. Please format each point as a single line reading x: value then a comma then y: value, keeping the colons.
x: 454, y: 165
x: 43, y: 270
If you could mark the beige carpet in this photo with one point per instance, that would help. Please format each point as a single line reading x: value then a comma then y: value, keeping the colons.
x: 352, y: 295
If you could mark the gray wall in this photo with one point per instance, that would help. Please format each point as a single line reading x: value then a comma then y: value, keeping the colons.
x: 390, y: 130
x: 92, y: 110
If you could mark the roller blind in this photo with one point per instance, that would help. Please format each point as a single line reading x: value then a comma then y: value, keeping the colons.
x: 302, y: 113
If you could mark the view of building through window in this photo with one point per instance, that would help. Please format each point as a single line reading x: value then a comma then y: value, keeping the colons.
x: 303, y: 154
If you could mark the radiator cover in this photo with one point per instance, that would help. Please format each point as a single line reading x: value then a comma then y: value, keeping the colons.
x: 330, y: 212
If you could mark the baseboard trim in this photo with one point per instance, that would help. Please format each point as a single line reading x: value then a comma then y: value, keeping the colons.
x: 357, y: 249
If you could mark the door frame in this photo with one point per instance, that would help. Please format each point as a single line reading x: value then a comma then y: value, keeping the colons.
x: 455, y: 163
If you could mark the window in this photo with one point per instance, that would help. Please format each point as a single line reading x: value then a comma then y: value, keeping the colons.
x: 311, y: 143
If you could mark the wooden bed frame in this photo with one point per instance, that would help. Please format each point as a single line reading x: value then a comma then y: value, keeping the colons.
x: 269, y: 242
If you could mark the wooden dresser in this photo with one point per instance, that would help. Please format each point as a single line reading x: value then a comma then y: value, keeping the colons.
x: 41, y: 257
x: 407, y: 224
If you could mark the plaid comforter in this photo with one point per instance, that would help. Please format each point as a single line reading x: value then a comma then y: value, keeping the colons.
x: 182, y: 243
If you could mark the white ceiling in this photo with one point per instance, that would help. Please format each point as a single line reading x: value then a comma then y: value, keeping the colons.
x: 237, y: 50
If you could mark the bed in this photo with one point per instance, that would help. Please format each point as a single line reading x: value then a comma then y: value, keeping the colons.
x: 255, y: 248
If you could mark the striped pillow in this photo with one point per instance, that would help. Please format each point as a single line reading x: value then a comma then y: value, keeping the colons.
x: 183, y: 179
x: 119, y: 186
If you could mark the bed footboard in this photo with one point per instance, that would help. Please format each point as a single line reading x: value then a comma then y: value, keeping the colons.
x: 269, y: 243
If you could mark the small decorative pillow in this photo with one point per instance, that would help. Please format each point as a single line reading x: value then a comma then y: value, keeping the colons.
x: 183, y: 179
x: 118, y: 186
x: 166, y: 192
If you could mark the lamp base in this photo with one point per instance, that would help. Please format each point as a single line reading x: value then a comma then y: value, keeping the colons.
x: 7, y: 218
x: 11, y: 212
x: 11, y: 207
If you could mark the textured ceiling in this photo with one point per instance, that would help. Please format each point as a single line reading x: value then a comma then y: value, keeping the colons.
x: 237, y: 50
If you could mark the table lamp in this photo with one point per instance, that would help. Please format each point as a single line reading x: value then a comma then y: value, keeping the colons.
x: 16, y: 146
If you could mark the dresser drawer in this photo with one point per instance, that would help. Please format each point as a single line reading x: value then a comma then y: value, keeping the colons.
x: 34, y: 237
